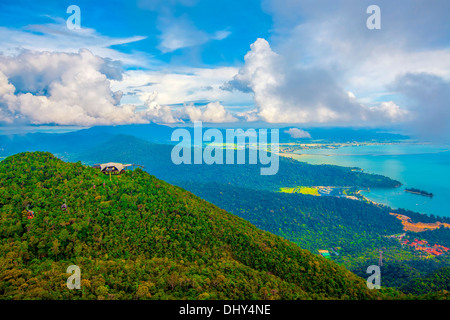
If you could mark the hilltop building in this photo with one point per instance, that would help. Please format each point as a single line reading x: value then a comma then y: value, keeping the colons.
x: 114, y: 167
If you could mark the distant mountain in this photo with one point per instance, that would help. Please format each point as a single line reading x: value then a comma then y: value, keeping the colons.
x: 87, y: 138
x: 80, y: 140
x: 157, y: 160
x: 150, y: 132
x: 137, y: 237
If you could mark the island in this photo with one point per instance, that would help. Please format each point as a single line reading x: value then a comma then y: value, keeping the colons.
x: 419, y: 192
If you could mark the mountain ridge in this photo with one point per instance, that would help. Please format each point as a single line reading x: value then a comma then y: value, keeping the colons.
x: 157, y: 160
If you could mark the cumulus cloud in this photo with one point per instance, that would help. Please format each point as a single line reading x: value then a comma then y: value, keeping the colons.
x: 389, y: 110
x: 62, y: 88
x: 212, y: 112
x: 157, y: 112
x: 284, y: 93
x: 413, y: 40
x: 75, y: 89
x: 297, y: 133
x: 177, y: 86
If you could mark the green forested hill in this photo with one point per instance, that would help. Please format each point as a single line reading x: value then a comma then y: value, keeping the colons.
x: 436, y: 281
x: 140, y: 237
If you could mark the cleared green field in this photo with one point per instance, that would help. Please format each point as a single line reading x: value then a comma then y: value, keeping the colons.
x: 301, y: 189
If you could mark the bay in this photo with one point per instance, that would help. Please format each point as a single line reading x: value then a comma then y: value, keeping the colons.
x: 422, y: 166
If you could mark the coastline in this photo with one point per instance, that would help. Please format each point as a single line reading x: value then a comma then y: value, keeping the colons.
x: 415, y: 165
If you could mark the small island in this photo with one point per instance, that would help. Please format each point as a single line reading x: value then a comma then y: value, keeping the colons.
x: 419, y: 192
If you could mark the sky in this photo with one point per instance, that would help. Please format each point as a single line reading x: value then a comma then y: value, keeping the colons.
x: 281, y: 62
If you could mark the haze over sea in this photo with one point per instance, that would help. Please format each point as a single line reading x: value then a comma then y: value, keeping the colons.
x: 422, y: 166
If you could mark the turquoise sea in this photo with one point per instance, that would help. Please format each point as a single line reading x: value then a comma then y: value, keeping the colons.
x: 421, y: 166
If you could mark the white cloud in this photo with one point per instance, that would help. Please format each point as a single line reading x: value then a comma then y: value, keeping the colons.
x: 221, y: 34
x: 284, y: 93
x: 391, y: 110
x: 76, y: 89
x: 180, y: 85
x: 298, y: 133
x: 295, y: 79
x: 61, y: 88
x: 178, y: 33
x: 213, y: 112
x: 158, y: 113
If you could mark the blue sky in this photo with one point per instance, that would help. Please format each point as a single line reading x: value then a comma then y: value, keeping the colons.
x: 243, y: 21
x: 305, y: 63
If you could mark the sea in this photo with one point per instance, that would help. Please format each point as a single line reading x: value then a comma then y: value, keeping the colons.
x: 415, y: 165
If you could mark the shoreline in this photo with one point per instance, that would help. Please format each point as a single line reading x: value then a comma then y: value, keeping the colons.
x: 388, y: 197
